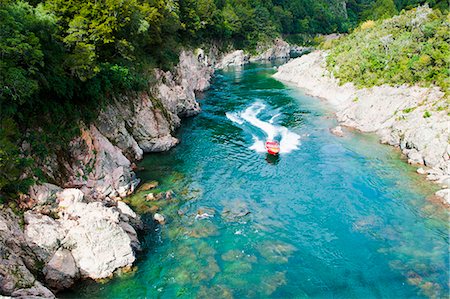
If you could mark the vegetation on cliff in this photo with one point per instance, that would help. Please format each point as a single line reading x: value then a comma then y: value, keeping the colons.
x: 62, y: 60
x: 411, y: 48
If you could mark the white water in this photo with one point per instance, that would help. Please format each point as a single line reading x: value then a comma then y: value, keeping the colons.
x: 289, y: 141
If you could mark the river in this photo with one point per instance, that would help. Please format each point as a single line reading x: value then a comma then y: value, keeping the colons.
x: 329, y: 217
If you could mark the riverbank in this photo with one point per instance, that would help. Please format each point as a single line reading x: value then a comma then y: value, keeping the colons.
x: 409, y: 117
x: 79, y: 227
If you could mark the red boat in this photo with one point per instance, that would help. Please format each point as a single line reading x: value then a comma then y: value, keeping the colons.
x: 272, y: 147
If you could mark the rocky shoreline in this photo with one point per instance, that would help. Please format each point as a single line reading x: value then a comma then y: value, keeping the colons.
x: 79, y: 227
x: 409, y: 117
x: 83, y: 229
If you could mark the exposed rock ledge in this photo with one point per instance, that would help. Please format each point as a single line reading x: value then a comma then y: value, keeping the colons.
x: 397, y: 114
x: 85, y: 230
x: 279, y: 49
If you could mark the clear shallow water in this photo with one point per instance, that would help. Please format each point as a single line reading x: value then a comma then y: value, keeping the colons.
x: 334, y: 218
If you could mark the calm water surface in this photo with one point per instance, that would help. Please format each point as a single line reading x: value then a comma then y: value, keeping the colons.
x: 333, y: 218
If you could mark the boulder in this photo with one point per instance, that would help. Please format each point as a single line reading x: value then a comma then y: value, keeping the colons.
x: 159, y: 218
x: 150, y: 197
x: 61, y: 272
x: 148, y: 186
x: 36, y: 291
x: 69, y: 196
x: 43, y: 234
x: 17, y: 260
x: 235, y: 58
x: 99, y: 247
x: 44, y: 194
x: 337, y: 131
x: 420, y: 170
x: 414, y: 157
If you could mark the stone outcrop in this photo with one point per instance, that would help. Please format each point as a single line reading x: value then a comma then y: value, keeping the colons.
x: 61, y: 271
x: 403, y: 116
x: 18, y: 261
x: 278, y: 50
x: 235, y: 58
x: 81, y: 228
x: 99, y: 161
x: 87, y: 239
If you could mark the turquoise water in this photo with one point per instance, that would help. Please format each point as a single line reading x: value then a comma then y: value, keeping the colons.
x: 333, y: 218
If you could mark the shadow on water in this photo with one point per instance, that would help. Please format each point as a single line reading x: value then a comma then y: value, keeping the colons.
x: 272, y: 159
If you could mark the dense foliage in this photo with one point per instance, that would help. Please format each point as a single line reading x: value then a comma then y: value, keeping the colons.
x: 412, y: 48
x: 62, y: 60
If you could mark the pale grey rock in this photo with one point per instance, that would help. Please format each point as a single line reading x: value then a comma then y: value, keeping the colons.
x: 115, y: 123
x: 235, y: 58
x: 36, y: 291
x: 69, y: 196
x: 17, y: 259
x: 159, y: 218
x: 414, y: 157
x: 126, y: 210
x: 61, y: 272
x: 396, y: 114
x: 278, y: 50
x: 99, y: 247
x: 43, y: 234
x: 44, y: 194
x: 107, y: 172
x: 98, y: 243
x: 420, y: 170
x: 337, y: 131
x: 445, y: 195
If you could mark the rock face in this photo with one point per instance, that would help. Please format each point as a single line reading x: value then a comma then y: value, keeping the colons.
x: 61, y: 272
x: 279, y: 50
x: 235, y: 58
x: 18, y: 261
x: 403, y: 116
x: 92, y: 239
x: 94, y: 233
x: 98, y: 162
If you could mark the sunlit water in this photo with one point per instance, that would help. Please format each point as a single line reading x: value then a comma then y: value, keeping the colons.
x: 329, y: 218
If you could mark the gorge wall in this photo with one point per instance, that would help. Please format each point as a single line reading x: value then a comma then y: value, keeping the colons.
x: 410, y: 117
x: 79, y: 227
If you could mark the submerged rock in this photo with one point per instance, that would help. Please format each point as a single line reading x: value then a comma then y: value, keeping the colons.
x: 235, y: 211
x: 159, y: 218
x: 148, y: 186
x: 337, y: 131
x: 445, y: 195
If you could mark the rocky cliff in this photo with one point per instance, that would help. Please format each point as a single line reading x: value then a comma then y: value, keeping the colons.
x: 79, y: 227
x: 83, y: 229
x: 412, y: 118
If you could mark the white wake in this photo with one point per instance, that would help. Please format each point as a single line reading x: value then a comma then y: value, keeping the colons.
x: 289, y: 141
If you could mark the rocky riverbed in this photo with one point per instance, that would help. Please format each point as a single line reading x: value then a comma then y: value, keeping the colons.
x: 409, y: 117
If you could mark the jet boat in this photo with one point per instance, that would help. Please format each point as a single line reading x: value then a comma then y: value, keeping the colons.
x: 272, y: 147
